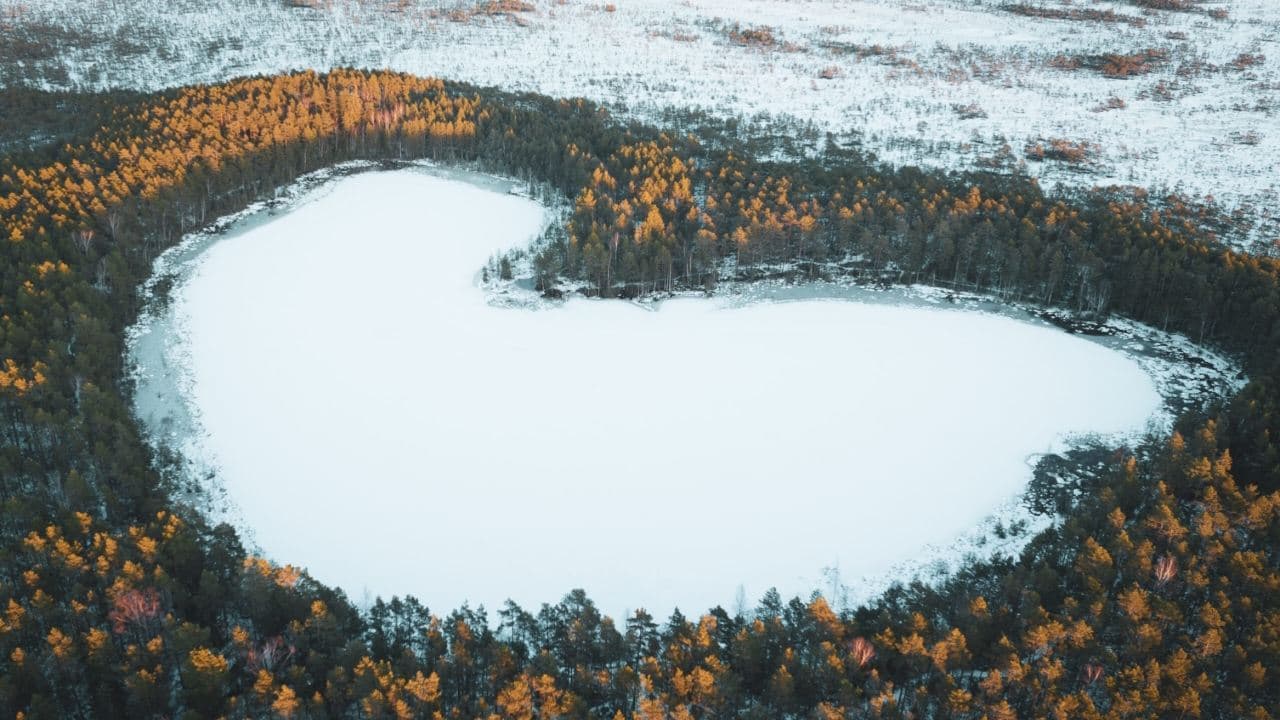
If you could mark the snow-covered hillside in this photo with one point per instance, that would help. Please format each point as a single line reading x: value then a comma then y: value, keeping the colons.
x: 1106, y: 92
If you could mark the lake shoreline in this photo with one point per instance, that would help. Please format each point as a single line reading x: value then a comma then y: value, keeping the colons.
x: 203, y: 489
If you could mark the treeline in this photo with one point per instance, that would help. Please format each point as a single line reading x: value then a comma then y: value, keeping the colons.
x: 1156, y: 599
x: 1159, y: 594
x: 661, y: 216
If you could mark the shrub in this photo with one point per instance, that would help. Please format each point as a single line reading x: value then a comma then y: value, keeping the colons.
x: 1060, y: 149
x: 755, y: 36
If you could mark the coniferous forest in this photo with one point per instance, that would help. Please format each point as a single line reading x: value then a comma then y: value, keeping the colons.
x: 1157, y: 595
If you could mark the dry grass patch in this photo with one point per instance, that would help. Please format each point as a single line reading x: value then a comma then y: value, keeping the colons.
x: 972, y: 111
x: 759, y: 36
x: 1061, y: 150
x: 753, y: 36
x: 1111, y: 103
x: 1244, y: 61
x: 512, y: 9
x: 1078, y: 14
x: 1114, y: 65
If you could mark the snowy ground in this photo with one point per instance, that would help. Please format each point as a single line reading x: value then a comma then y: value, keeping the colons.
x: 373, y: 418
x: 940, y: 83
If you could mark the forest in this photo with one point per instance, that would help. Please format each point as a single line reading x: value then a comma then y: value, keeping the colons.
x: 1156, y: 595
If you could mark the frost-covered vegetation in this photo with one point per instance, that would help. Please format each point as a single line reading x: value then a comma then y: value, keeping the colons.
x: 1170, y: 97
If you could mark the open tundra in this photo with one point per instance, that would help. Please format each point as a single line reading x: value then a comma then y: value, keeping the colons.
x: 1178, y: 99
x: 372, y: 417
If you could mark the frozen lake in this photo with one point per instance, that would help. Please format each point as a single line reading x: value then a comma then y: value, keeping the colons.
x: 376, y: 421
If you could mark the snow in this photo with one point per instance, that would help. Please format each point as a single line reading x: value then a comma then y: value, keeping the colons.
x: 372, y: 417
x: 1200, y: 123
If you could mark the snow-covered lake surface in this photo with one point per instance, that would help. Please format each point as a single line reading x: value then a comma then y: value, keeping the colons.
x: 373, y: 418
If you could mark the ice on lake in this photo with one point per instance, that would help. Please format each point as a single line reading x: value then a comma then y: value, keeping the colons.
x: 376, y: 421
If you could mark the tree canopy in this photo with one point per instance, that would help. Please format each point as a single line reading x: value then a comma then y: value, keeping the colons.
x: 1157, y: 595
